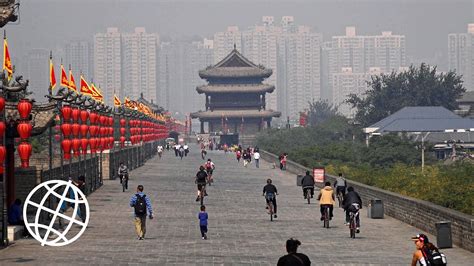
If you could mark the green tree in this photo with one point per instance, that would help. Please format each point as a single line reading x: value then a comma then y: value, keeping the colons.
x: 421, y: 86
x: 320, y: 111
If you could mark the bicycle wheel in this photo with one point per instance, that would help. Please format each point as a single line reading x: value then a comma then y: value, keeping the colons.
x: 308, y: 195
x: 123, y: 184
x: 270, y: 207
x: 326, y: 217
x: 202, y: 197
x: 352, y: 226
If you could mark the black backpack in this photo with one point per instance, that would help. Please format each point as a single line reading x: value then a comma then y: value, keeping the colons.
x: 434, y: 257
x: 140, y: 205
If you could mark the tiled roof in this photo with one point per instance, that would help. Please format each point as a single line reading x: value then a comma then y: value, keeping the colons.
x: 233, y: 88
x: 235, y: 114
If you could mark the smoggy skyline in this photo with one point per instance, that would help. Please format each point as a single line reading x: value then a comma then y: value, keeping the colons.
x: 426, y: 24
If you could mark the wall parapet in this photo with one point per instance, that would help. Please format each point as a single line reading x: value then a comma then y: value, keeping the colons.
x: 418, y: 213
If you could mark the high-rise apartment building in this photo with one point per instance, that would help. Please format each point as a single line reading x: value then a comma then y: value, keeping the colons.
x: 360, y: 54
x: 291, y: 51
x: 139, y: 66
x: 179, y: 63
x: 347, y: 82
x: 461, y: 55
x: 79, y: 55
x: 108, y: 63
x: 36, y: 64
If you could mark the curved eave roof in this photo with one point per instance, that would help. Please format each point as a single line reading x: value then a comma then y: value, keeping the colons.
x: 235, y: 72
x: 235, y: 114
x: 255, y: 88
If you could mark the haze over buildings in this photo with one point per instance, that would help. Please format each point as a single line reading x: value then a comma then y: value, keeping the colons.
x: 461, y: 55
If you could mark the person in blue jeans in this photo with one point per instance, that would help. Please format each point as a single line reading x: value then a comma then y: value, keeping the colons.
x: 203, y: 221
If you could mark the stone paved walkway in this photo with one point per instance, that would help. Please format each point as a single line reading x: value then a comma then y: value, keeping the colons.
x: 240, y: 232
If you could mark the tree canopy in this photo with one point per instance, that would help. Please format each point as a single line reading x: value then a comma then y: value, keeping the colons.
x: 422, y: 86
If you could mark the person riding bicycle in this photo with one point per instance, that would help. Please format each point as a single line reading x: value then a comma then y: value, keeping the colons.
x: 307, y: 183
x: 340, y: 185
x: 201, y: 180
x: 210, y: 166
x: 181, y: 151
x: 123, y: 172
x: 270, y: 192
x: 326, y: 199
x: 159, y: 149
x: 350, y: 199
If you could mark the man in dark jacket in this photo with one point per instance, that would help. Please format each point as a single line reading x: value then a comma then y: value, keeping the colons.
x: 307, y: 183
x: 293, y: 258
x: 350, y: 199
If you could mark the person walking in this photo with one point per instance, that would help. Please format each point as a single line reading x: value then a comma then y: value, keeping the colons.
x: 293, y: 258
x: 256, y: 157
x: 203, y: 216
x: 141, y: 203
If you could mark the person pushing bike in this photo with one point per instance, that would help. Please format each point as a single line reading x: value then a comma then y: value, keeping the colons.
x: 123, y: 174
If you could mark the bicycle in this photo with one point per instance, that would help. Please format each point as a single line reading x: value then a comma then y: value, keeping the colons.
x: 307, y: 193
x: 209, y: 175
x: 124, y: 182
x: 269, y: 198
x: 202, y: 192
x: 340, y: 198
x: 353, y: 220
x: 326, y: 217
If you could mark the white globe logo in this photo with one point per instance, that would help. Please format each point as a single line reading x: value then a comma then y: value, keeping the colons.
x: 46, y: 234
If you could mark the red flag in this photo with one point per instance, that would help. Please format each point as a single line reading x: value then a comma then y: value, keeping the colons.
x: 72, y: 82
x: 52, y: 76
x: 117, y: 101
x: 85, y: 89
x: 7, y: 62
x: 96, y: 95
x: 64, y: 82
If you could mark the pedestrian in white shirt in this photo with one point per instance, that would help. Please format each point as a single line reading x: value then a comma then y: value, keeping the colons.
x: 256, y: 157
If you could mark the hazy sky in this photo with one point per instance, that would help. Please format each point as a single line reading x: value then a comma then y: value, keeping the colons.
x: 426, y: 23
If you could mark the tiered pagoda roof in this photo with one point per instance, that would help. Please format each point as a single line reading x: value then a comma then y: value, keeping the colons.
x: 235, y: 65
x: 236, y: 114
x: 235, y: 88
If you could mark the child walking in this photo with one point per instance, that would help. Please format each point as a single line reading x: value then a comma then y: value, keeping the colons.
x: 203, y: 221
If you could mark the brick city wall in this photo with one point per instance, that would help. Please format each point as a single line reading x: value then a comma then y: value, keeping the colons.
x: 418, y: 213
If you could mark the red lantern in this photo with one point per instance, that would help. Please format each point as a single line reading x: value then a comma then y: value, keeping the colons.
x: 84, y: 143
x: 76, y: 145
x: 24, y: 150
x: 66, y: 129
x: 24, y: 108
x: 75, y: 129
x: 57, y: 137
x: 66, y: 146
x: 2, y: 103
x: 122, y: 131
x: 102, y: 131
x: 111, y: 142
x: 84, y: 116
x: 111, y: 130
x: 93, y: 130
x: 2, y: 128
x: 93, y: 117
x: 57, y: 128
x: 102, y: 143
x: 93, y: 144
x: 123, y: 122
x: 111, y: 121
x: 3, y: 152
x: 75, y: 114
x: 84, y: 129
x: 102, y: 120
x: 122, y: 141
x: 66, y: 112
x: 24, y: 130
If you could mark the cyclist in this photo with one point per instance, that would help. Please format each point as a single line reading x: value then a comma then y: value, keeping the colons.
x: 201, y: 180
x: 340, y: 185
x: 210, y: 166
x: 350, y: 199
x: 270, y: 192
x: 160, y: 150
x: 326, y: 199
x: 123, y: 172
x: 181, y: 151
x: 307, y: 183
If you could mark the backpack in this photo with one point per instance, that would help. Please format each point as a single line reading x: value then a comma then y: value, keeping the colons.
x: 434, y: 257
x: 201, y: 177
x: 208, y: 165
x: 140, y: 205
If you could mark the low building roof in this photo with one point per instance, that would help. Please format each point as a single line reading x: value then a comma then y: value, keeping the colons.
x: 421, y: 119
x: 235, y: 65
x: 236, y: 88
x: 235, y: 114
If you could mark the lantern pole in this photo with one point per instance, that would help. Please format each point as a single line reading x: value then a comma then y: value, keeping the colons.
x: 4, y: 178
